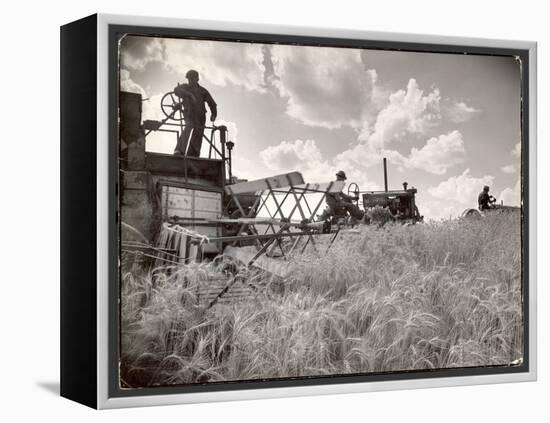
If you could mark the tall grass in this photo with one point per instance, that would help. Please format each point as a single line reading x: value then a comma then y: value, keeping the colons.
x: 437, y: 295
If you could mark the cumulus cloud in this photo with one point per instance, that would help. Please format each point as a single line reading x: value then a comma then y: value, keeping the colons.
x: 232, y: 129
x: 436, y: 209
x: 304, y: 156
x: 219, y: 63
x: 511, y: 196
x: 438, y: 154
x: 331, y: 88
x: 516, y: 152
x: 151, y: 103
x: 463, y: 188
x: 324, y: 86
x: 127, y: 84
x: 137, y: 52
x: 459, y: 112
x: 160, y: 142
x: 508, y: 168
x: 448, y: 199
x: 408, y: 111
x: 151, y: 108
x: 451, y: 197
x: 290, y: 154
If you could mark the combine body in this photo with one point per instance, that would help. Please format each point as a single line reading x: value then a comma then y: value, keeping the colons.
x: 159, y: 188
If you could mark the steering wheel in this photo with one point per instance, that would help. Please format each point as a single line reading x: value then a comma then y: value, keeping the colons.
x: 171, y: 106
x: 353, y: 188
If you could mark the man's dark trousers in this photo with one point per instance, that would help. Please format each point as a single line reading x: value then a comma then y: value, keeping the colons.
x: 195, y: 142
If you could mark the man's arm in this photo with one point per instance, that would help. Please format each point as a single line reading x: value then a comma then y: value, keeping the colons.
x: 211, y: 105
x: 346, y: 198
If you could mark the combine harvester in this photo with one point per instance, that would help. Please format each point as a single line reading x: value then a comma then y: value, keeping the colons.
x: 478, y: 214
x: 178, y: 210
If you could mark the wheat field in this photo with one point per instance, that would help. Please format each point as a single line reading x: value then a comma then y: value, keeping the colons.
x: 429, y: 296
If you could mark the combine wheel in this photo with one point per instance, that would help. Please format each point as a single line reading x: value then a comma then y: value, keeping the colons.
x: 171, y: 107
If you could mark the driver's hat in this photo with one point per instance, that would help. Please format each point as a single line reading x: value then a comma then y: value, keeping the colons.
x: 341, y: 174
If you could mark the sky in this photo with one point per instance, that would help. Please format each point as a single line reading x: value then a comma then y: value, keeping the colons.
x: 447, y: 123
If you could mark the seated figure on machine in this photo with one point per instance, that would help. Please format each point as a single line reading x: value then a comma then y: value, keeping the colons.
x: 340, y: 204
x: 485, y: 201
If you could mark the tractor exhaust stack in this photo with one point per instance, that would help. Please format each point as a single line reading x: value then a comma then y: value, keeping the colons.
x: 385, y: 176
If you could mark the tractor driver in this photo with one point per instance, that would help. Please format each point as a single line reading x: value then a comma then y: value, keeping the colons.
x: 484, y: 200
x: 341, y: 204
x: 194, y: 96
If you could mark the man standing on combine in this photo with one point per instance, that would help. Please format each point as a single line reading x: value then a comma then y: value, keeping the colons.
x: 193, y: 98
x: 341, y: 204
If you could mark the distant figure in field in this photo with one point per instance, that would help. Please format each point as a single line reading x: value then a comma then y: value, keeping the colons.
x: 193, y: 97
x: 484, y: 200
x: 341, y: 204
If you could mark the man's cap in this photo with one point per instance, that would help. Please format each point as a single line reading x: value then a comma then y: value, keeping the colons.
x: 341, y: 174
x: 192, y: 73
x: 486, y: 188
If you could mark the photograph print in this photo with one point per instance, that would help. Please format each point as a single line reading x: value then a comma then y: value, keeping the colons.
x: 292, y: 211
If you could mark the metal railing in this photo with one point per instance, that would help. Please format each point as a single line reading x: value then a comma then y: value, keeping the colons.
x: 219, y: 148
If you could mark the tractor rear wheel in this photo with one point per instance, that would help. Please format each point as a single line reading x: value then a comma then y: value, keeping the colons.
x: 471, y: 214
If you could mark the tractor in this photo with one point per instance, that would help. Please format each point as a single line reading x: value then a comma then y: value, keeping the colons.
x: 397, y: 205
x: 381, y: 206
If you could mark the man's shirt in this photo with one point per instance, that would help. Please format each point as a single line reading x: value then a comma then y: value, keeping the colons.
x: 193, y: 99
x: 202, y: 96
